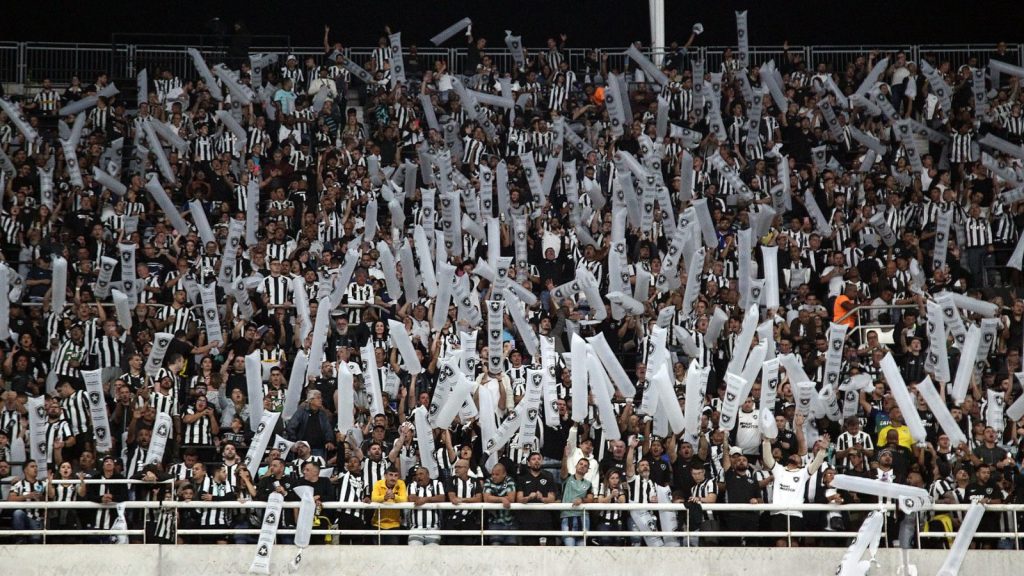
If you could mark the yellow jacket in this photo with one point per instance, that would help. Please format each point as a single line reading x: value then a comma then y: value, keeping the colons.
x: 906, y: 440
x: 388, y: 519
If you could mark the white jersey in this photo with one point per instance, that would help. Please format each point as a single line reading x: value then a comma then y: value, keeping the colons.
x: 788, y: 487
x: 748, y: 432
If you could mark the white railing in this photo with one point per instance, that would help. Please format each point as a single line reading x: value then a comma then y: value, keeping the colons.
x: 682, y: 534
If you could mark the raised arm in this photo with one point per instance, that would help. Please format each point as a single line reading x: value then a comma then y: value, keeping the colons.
x: 798, y: 430
x: 630, y: 453
x: 819, y: 458
x: 766, y: 453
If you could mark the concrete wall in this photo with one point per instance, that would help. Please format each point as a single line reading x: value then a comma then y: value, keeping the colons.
x: 152, y: 560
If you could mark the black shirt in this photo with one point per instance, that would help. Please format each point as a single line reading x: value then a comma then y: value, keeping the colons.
x: 661, y: 470
x: 555, y: 439
x: 610, y: 462
x: 322, y: 488
x: 528, y: 484
x: 740, y: 488
x: 683, y: 479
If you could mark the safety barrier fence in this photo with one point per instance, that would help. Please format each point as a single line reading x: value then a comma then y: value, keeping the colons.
x: 31, y: 62
x: 483, y: 532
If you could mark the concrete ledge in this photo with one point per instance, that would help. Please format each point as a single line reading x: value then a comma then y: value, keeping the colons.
x: 189, y: 560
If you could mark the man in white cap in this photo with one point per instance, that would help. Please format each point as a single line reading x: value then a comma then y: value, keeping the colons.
x: 303, y: 454
x: 292, y: 71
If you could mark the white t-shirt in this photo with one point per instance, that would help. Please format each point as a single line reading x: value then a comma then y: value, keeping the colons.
x: 748, y: 432
x: 444, y: 82
x: 788, y: 488
x: 835, y: 284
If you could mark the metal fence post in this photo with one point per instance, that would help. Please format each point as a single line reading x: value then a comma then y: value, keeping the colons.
x: 687, y: 527
x: 22, y: 61
x: 1016, y: 531
x: 46, y: 512
x: 789, y: 531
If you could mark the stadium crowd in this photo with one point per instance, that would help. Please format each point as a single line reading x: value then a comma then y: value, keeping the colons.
x: 347, y: 175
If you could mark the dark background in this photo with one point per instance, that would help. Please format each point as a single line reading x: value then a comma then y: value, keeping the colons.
x: 587, y: 22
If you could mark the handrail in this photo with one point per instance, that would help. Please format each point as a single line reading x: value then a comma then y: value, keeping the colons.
x: 29, y: 62
x: 484, y: 506
x: 483, y: 530
x: 865, y: 307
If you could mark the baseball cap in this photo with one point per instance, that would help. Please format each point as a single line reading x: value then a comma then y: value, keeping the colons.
x: 735, y: 451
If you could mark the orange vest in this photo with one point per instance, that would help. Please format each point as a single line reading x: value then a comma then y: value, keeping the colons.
x: 838, y: 311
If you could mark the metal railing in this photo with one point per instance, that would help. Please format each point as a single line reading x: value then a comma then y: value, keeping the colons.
x: 47, y: 505
x: 681, y: 534
x: 30, y: 62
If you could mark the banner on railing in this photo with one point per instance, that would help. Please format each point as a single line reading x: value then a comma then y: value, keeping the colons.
x: 268, y: 535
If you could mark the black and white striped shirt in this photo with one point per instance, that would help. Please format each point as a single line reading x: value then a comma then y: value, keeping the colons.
x: 703, y: 490
x: 424, y: 519
x: 257, y: 137
x: 604, y: 491
x: 640, y: 490
x: 351, y: 490
x: 23, y: 487
x: 372, y: 472
x: 136, y: 460
x: 165, y: 85
x: 197, y: 433
x: 962, y: 148
x: 48, y: 101
x: 278, y: 290
x: 295, y: 75
x: 357, y: 294
x: 979, y: 233
x: 10, y: 422
x: 65, y: 492
x: 215, y: 517
x: 203, y: 149
x: 106, y: 352
x: 558, y: 95
x: 280, y: 250
x: 845, y: 441
x: 105, y: 517
x: 472, y: 151
x: 66, y: 353
x: 163, y: 403
x: 181, y: 318
x: 380, y: 56
x: 463, y: 489
x: 59, y: 430
x: 76, y: 412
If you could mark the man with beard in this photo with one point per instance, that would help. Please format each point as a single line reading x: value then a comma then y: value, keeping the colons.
x: 739, y: 487
x: 789, y: 483
x: 536, y: 486
x: 641, y: 486
x: 351, y: 490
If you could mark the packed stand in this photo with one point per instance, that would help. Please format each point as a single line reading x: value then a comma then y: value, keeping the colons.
x: 366, y: 203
